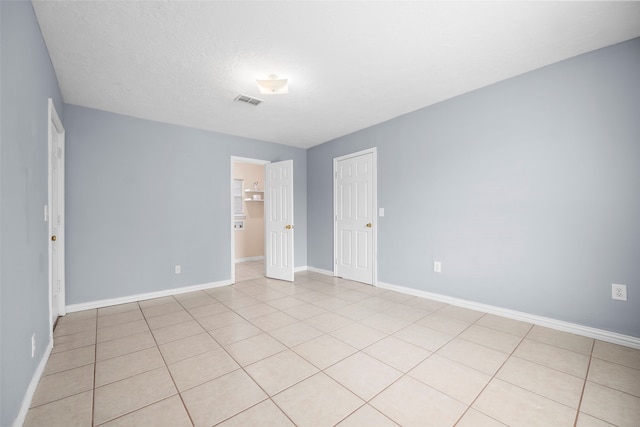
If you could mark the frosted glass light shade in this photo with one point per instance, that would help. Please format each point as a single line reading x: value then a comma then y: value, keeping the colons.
x: 273, y: 85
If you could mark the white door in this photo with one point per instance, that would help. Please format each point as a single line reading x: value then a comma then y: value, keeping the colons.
x: 354, y: 216
x: 56, y: 215
x: 279, y: 220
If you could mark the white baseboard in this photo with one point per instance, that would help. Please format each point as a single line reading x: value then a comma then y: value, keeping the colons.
x: 251, y: 258
x: 574, y: 328
x: 299, y: 269
x: 141, y: 297
x: 151, y: 295
x: 587, y: 331
x: 28, y: 395
x: 320, y: 270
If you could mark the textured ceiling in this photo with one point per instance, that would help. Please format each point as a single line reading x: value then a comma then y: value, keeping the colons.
x: 350, y: 64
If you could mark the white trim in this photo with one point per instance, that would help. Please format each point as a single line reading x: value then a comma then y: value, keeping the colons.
x: 141, y: 297
x: 251, y: 258
x: 236, y: 159
x: 28, y: 395
x: 54, y: 119
x: 574, y: 328
x: 374, y: 152
x: 320, y: 270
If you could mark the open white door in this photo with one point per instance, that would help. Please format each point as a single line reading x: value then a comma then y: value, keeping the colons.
x: 278, y: 214
x: 354, y: 201
x: 56, y: 216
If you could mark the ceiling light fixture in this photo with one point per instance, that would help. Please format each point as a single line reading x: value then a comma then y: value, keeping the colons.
x: 273, y: 85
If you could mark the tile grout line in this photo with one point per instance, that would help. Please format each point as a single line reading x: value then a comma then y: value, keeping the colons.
x: 64, y: 370
x: 404, y: 374
x: 166, y: 365
x: 157, y: 347
x: 228, y: 354
x: 584, y: 384
x: 378, y: 312
x: 485, y: 386
x: 269, y: 397
x: 492, y: 378
x: 95, y: 369
x: 544, y: 366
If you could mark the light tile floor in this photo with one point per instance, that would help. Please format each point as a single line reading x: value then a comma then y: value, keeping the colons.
x: 323, y: 352
x: 249, y: 270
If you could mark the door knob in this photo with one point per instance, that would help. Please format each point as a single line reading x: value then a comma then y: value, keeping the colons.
x: 288, y: 227
x: 53, y: 238
x: 369, y: 225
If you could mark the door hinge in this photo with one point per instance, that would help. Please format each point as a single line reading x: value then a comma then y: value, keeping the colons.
x: 336, y: 174
x: 336, y: 261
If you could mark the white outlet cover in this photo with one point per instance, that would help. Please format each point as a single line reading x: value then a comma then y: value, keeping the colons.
x: 619, y: 292
x: 178, y: 269
x: 437, y: 266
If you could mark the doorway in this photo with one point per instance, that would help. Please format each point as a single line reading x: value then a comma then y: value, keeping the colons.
x: 355, y: 205
x: 248, y: 226
x: 274, y: 195
x: 54, y: 214
x: 247, y: 242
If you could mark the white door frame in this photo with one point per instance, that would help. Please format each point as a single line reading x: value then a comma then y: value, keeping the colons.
x: 235, y: 159
x: 374, y: 209
x: 54, y: 124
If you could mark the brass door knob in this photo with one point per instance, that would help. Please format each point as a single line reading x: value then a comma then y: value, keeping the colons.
x: 369, y: 225
x: 288, y: 227
x: 53, y: 238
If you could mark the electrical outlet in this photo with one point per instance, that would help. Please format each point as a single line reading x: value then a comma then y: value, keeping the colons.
x: 33, y: 345
x: 178, y: 269
x: 437, y: 266
x: 619, y: 292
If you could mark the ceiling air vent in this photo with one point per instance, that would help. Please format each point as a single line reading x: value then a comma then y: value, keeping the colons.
x: 248, y: 100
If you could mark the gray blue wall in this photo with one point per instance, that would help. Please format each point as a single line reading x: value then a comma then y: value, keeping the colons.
x: 527, y: 191
x: 27, y: 80
x: 144, y: 196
